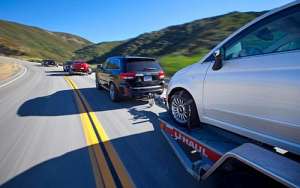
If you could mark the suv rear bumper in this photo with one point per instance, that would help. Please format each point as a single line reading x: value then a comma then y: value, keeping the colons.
x: 134, y: 92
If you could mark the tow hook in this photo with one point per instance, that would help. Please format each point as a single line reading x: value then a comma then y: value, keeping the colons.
x: 151, y: 101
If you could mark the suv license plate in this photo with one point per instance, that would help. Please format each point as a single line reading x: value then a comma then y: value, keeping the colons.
x: 147, y: 78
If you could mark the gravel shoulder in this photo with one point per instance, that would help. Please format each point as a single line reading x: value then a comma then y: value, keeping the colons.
x: 7, y: 70
x: 10, y: 70
x: 9, y: 67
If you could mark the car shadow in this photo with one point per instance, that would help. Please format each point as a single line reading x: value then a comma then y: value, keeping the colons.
x: 144, y: 163
x: 72, y: 169
x: 54, y: 72
x: 59, y: 74
x: 62, y: 103
x: 146, y: 155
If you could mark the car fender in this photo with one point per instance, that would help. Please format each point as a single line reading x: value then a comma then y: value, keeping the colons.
x: 192, y: 80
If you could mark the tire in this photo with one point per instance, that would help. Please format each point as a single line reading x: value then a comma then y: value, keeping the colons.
x: 98, y: 85
x: 113, y: 93
x: 90, y: 71
x: 181, y: 104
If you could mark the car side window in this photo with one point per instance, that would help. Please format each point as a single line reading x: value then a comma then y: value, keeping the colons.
x: 108, y: 66
x: 114, y: 64
x: 277, y: 33
x: 105, y: 64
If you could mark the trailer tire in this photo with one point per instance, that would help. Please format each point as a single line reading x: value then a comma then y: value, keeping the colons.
x: 181, y: 104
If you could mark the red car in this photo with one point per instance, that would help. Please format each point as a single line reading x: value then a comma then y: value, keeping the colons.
x: 80, y: 66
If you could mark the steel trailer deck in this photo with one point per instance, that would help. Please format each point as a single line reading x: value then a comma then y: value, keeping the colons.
x: 203, y: 150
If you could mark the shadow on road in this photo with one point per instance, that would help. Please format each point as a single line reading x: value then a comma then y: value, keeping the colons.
x: 62, y: 103
x: 145, y: 161
x: 59, y: 74
x: 57, y: 104
x: 72, y: 169
x: 54, y: 72
x: 145, y: 154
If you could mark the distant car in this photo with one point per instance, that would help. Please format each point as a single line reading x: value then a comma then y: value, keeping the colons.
x: 49, y: 62
x: 79, y: 67
x: 67, y: 65
x: 126, y: 76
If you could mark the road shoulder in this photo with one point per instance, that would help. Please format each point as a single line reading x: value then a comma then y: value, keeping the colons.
x: 10, y: 70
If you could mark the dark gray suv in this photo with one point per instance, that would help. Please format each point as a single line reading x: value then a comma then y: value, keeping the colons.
x: 126, y: 76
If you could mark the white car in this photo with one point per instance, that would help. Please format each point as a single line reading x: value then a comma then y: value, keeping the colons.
x: 249, y: 84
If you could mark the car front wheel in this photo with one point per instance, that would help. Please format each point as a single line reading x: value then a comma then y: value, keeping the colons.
x: 183, y: 109
x: 98, y: 85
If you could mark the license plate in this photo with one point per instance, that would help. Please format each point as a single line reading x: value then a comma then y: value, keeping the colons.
x: 147, y: 78
x: 81, y: 68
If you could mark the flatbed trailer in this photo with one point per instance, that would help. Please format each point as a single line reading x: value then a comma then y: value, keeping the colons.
x: 205, y: 150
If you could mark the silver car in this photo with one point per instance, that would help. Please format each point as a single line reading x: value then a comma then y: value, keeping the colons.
x: 249, y: 84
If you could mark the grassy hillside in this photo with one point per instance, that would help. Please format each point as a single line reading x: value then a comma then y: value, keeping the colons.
x: 74, y: 40
x: 174, y: 62
x: 176, y: 46
x: 186, y: 39
x: 181, y: 45
x: 94, y: 50
x: 26, y: 41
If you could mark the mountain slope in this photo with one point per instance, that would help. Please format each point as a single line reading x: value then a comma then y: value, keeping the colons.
x: 95, y: 50
x: 74, y: 40
x: 188, y: 39
x: 22, y: 40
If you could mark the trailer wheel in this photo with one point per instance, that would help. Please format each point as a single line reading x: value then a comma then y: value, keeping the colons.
x: 183, y: 109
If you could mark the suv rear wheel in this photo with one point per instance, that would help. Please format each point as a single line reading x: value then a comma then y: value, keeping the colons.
x: 113, y: 93
x: 183, y: 109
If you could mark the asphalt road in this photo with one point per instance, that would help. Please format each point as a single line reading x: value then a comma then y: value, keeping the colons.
x: 42, y: 143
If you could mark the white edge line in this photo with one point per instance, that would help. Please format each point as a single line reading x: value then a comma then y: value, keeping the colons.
x: 22, y: 74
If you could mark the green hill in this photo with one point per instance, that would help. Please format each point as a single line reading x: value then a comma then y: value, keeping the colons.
x: 180, y: 45
x: 95, y: 50
x: 176, y: 46
x: 32, y: 42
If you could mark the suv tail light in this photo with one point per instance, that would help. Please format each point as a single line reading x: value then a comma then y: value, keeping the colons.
x: 127, y: 75
x: 161, y: 75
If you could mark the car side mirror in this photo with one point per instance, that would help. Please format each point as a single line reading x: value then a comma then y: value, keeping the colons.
x: 218, y: 60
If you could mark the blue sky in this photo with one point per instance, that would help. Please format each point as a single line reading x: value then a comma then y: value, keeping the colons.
x: 107, y: 20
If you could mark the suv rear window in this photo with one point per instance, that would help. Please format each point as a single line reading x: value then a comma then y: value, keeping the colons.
x: 68, y: 63
x: 142, y: 65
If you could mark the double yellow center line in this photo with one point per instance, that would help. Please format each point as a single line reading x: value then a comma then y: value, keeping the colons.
x: 108, y: 169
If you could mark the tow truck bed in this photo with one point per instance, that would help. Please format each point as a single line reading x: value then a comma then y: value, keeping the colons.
x: 203, y: 150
